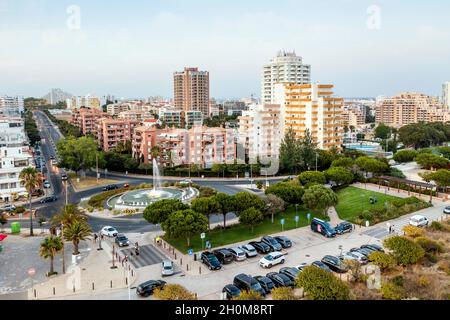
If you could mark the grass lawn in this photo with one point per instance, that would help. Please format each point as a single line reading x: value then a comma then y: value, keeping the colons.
x: 90, y: 182
x: 238, y: 233
x: 353, y: 201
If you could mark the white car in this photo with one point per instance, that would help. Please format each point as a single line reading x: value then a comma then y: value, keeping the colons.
x: 301, y: 266
x: 109, y: 231
x: 354, y: 256
x: 167, y: 268
x: 47, y: 185
x: 272, y: 259
x: 249, y: 250
x: 419, y: 221
x: 238, y: 254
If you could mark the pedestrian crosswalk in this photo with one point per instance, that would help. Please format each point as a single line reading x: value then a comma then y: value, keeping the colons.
x: 148, y: 255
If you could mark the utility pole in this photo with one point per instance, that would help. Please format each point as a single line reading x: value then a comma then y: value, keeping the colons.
x: 63, y: 258
x: 317, y: 160
x: 67, y: 196
x: 96, y: 161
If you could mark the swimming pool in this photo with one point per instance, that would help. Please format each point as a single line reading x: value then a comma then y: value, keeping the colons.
x: 363, y: 148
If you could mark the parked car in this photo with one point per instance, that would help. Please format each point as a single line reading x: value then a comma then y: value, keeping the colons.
x: 343, y: 227
x: 122, y: 241
x: 418, y: 221
x: 146, y: 289
x: 354, y: 256
x: 335, y: 264
x: 246, y: 282
x: 280, y: 280
x: 272, y: 243
x: 64, y: 177
x: 447, y: 210
x: 323, y: 228
x: 9, y: 207
x: 249, y: 250
x: 109, y: 231
x: 321, y: 265
x: 272, y: 259
x: 224, y: 256
x: 126, y: 185
x: 110, y: 187
x: 49, y: 199
x: 260, y: 247
x: 301, y: 266
x: 285, y: 242
x: 265, y: 283
x: 290, y: 272
x: 210, y: 261
x: 231, y: 291
x: 364, y: 251
x: 167, y: 268
x: 373, y: 247
x: 238, y: 254
x: 47, y: 185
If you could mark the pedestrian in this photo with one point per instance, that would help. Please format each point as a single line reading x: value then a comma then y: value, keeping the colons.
x: 95, y: 238
x: 101, y: 236
x: 136, y: 249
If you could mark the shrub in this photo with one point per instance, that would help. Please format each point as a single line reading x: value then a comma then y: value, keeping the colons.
x: 284, y: 293
x: 20, y: 210
x: 312, y: 176
x: 174, y: 292
x: 429, y: 245
x: 404, y: 250
x: 423, y: 281
x: 391, y: 291
x: 437, y: 226
x: 98, y: 200
x: 249, y: 295
x: 413, y: 232
x: 206, y: 192
x: 259, y: 185
x: 384, y: 261
x: 322, y: 285
x: 289, y: 192
x: 404, y: 156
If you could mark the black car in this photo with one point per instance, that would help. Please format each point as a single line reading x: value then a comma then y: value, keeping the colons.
x: 49, y: 199
x: 246, y: 282
x: 363, y: 251
x: 272, y: 243
x: 110, y: 187
x: 211, y: 261
x: 291, y: 273
x: 321, y: 265
x: 122, y: 240
x: 260, y: 247
x: 265, y: 283
x: 231, y: 291
x: 343, y: 227
x: 145, y: 289
x: 64, y: 177
x: 335, y: 264
x: 284, y: 241
x: 280, y: 280
x: 224, y: 256
x: 323, y: 228
x: 373, y: 247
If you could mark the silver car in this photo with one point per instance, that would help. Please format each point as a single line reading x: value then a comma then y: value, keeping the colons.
x: 354, y: 256
x: 167, y: 268
x: 249, y: 250
x: 239, y: 254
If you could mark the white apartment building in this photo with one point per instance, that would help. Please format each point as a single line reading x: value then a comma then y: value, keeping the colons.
x: 286, y: 67
x: 15, y: 155
x: 260, y: 132
x: 11, y: 106
x: 446, y: 95
x: 87, y: 101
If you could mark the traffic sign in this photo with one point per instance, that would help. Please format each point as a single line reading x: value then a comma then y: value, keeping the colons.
x: 191, y: 252
x: 309, y: 216
x: 283, y: 221
x: 297, y: 218
x: 31, y: 272
x: 203, y: 236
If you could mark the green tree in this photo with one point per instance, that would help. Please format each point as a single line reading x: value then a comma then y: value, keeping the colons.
x: 68, y: 215
x: 339, y: 175
x: 383, y: 260
x: 383, y: 132
x: 245, y: 200
x: 404, y: 250
x: 374, y: 166
x: 219, y: 168
x: 322, y: 285
x: 251, y: 217
x: 227, y: 204
x: 347, y: 163
x: 320, y: 198
x: 185, y: 223
x: 274, y: 205
x: 145, y: 166
x: 290, y: 159
x: 155, y: 152
x: 78, y: 154
x: 206, y: 206
x: 308, y: 150
x: 309, y: 177
x: 289, y: 192
x: 76, y: 232
x: 423, y: 135
x: 31, y: 179
x: 50, y: 246
x: 445, y: 151
x: 404, y: 156
x: 159, y: 211
x: 431, y: 161
x: 206, y: 192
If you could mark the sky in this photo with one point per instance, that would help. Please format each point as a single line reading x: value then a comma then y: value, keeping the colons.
x: 131, y: 48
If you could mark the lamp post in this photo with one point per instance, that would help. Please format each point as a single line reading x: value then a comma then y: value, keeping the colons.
x: 317, y: 161
x: 63, y: 255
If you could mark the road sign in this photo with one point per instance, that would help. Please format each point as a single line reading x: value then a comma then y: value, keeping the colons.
x: 191, y: 252
x: 203, y: 236
x: 297, y: 218
x: 309, y: 216
x: 31, y: 272
x: 283, y: 221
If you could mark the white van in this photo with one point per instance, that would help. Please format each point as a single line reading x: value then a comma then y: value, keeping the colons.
x: 418, y: 221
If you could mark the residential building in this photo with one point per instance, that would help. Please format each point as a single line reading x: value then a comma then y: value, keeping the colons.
x: 144, y: 139
x: 353, y: 118
x: 286, y: 67
x: 11, y: 106
x: 410, y: 107
x: 88, y: 101
x: 191, y: 118
x: 85, y: 119
x: 111, y: 132
x: 311, y: 107
x: 446, y: 95
x: 260, y: 132
x: 56, y: 96
x: 115, y: 108
x: 191, y: 90
x: 172, y: 118
x: 136, y: 115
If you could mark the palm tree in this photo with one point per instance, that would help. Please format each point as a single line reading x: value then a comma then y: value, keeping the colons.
x: 76, y: 232
x: 69, y: 215
x: 49, y: 248
x: 31, y: 179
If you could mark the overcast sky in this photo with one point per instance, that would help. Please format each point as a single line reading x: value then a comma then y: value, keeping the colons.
x: 131, y: 48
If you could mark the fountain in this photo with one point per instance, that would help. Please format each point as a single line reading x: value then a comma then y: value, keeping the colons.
x: 140, y: 199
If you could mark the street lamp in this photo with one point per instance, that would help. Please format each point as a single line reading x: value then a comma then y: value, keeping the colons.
x: 63, y: 255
